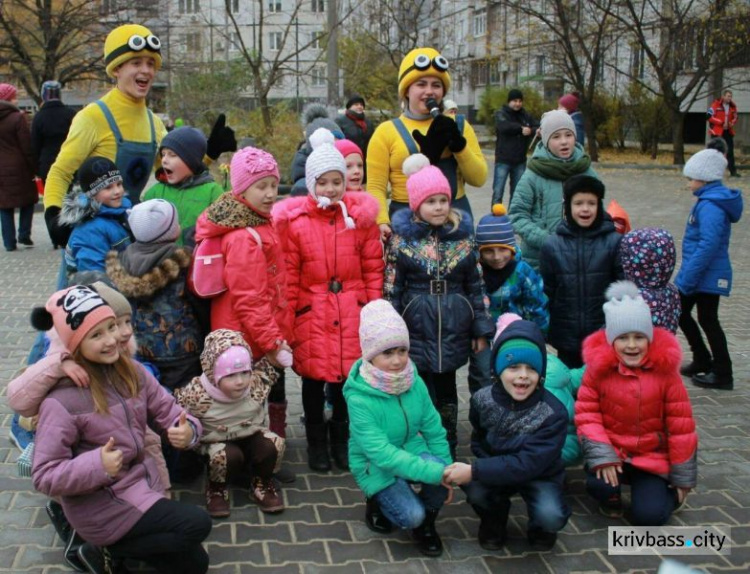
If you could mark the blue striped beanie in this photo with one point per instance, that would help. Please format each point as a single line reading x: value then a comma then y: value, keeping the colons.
x: 495, y: 230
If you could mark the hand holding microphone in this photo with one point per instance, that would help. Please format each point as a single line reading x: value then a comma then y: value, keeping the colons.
x: 443, y: 132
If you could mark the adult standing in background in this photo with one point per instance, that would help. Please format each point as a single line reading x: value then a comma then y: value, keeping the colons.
x: 570, y: 103
x: 423, y: 76
x: 722, y: 115
x: 49, y: 128
x: 355, y: 125
x: 514, y: 128
x: 17, y: 189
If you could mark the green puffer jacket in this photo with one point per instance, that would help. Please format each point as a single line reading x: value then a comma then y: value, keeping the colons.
x: 537, y: 206
x: 388, y: 433
x: 564, y: 384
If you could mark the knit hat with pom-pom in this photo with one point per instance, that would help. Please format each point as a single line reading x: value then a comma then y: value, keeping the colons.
x: 249, y: 165
x: 324, y: 158
x: 381, y: 328
x: 626, y: 312
x: 424, y: 180
x: 316, y: 116
x: 73, y: 312
x: 495, y: 230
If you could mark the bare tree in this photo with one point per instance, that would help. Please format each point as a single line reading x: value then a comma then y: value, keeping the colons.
x: 51, y: 40
x: 578, y: 34
x: 685, y: 42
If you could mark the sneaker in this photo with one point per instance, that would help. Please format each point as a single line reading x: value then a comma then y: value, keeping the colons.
x: 27, y: 242
x: 217, y: 500
x: 612, y: 507
x: 19, y: 435
x: 266, y: 495
x: 542, y: 540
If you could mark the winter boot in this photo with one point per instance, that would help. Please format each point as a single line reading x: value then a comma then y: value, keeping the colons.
x: 339, y: 432
x: 266, y: 495
x: 277, y: 418
x: 696, y: 368
x: 217, y: 499
x: 449, y: 418
x: 317, y: 447
x: 427, y: 539
x: 375, y: 519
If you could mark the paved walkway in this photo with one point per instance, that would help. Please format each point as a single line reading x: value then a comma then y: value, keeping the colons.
x: 322, y: 529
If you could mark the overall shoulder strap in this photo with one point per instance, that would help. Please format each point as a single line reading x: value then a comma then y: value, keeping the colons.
x: 411, y: 145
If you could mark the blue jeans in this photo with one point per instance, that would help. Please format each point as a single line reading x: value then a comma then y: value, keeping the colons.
x: 404, y: 507
x: 480, y: 372
x: 8, y: 225
x: 502, y: 171
x: 652, y: 499
x: 544, y: 500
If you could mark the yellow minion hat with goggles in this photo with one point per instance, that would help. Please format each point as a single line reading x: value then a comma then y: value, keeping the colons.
x: 419, y: 63
x: 127, y: 42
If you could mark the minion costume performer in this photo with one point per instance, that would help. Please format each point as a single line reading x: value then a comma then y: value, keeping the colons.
x: 423, y: 75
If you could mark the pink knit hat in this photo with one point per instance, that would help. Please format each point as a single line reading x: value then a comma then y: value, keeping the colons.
x: 235, y: 359
x: 73, y: 312
x: 8, y: 92
x: 569, y: 102
x: 381, y: 328
x: 347, y: 148
x: 248, y: 166
x: 424, y: 180
x: 503, y: 321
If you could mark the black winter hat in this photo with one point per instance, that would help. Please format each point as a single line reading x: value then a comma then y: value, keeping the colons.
x: 97, y: 173
x: 583, y: 184
x: 355, y: 99
x: 189, y: 144
x: 515, y: 94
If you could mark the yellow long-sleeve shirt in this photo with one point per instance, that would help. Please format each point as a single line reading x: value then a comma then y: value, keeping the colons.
x: 90, y: 135
x: 387, y: 151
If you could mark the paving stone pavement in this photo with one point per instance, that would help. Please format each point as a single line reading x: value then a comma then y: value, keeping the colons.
x: 322, y: 529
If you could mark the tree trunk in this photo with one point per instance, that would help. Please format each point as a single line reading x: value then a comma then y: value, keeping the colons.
x: 678, y: 140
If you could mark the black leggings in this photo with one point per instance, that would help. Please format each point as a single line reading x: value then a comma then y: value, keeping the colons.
x: 278, y: 391
x: 708, y: 317
x: 442, y: 387
x: 313, y: 401
x: 168, y: 537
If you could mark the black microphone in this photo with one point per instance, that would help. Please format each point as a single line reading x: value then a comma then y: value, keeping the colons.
x: 433, y: 106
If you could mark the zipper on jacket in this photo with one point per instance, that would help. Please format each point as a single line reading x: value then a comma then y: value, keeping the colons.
x: 406, y: 419
x: 581, y: 285
x: 135, y: 440
x: 439, y: 305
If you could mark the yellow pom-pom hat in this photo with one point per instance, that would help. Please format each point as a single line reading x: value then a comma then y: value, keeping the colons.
x: 127, y: 42
x: 420, y: 63
x: 495, y: 230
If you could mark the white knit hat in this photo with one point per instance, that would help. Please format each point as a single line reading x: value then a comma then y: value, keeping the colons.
x: 154, y: 221
x: 324, y: 158
x: 553, y: 121
x: 381, y: 328
x: 626, y: 312
x: 706, y: 165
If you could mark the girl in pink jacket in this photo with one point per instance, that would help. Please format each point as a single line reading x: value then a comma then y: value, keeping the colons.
x: 90, y: 446
x: 334, y: 268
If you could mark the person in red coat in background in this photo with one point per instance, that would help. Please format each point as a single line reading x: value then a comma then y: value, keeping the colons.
x: 633, y: 414
x: 334, y: 268
x: 721, y: 116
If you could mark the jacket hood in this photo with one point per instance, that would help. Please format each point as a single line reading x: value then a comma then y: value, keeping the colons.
x: 730, y: 200
x: 362, y: 207
x: 648, y: 257
x: 7, y: 109
x: 224, y: 215
x: 78, y: 206
x: 138, y: 287
x: 216, y: 343
x: 664, y: 354
x: 356, y: 382
x: 405, y: 225
x: 522, y: 329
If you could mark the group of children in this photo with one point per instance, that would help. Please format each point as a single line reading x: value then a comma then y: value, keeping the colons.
x: 380, y: 335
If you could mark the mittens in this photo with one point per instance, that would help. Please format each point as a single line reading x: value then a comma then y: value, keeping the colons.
x: 221, y: 138
x: 58, y: 233
x: 443, y: 132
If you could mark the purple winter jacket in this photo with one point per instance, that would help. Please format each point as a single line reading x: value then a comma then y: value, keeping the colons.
x: 67, y: 461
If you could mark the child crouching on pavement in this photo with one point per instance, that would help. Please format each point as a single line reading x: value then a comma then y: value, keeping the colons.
x: 633, y: 414
x: 519, y: 429
x: 228, y: 399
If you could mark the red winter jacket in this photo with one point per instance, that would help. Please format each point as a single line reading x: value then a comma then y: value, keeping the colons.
x: 641, y: 416
x: 321, y: 255
x: 716, y: 117
x: 255, y: 300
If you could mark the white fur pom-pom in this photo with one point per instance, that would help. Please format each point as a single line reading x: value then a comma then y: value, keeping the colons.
x: 320, y: 137
x: 414, y: 163
x: 621, y: 289
x: 324, y: 202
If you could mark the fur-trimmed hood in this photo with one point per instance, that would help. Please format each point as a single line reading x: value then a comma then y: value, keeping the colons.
x: 165, y: 272
x: 362, y: 208
x: 664, y: 354
x: 226, y: 214
x: 405, y: 225
x: 78, y: 206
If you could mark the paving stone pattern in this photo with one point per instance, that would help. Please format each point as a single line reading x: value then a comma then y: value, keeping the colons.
x: 322, y: 529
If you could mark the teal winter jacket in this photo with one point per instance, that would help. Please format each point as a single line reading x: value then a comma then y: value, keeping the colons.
x: 388, y: 433
x: 564, y: 384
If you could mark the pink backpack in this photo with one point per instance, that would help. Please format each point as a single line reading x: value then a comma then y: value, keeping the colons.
x: 206, y: 276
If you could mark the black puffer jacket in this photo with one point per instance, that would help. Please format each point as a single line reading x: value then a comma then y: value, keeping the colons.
x: 577, y: 266
x: 353, y: 132
x: 511, y: 144
x: 441, y: 326
x: 48, y: 132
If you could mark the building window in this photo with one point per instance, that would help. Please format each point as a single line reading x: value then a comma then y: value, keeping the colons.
x: 318, y: 76
x: 318, y: 5
x: 494, y: 73
x: 480, y: 23
x: 189, y: 6
x: 636, y: 62
x: 193, y: 42
x: 234, y: 42
x: 274, y: 5
x: 540, y: 65
x: 274, y: 41
x: 234, y: 6
x: 516, y: 71
x: 317, y: 40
